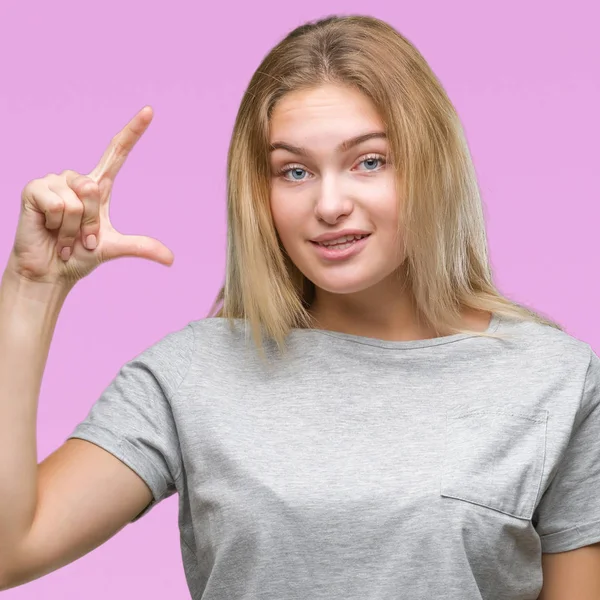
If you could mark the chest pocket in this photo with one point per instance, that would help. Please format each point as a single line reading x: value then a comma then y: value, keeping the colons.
x: 495, y: 458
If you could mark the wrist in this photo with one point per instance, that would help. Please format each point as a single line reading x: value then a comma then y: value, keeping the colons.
x: 18, y: 286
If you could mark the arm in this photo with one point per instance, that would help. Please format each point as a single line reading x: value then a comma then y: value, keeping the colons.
x: 80, y: 495
x: 574, y: 575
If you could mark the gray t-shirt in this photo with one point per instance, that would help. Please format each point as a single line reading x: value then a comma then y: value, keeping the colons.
x: 356, y: 468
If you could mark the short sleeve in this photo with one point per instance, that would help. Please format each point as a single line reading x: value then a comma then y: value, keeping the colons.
x: 568, y: 515
x: 132, y: 419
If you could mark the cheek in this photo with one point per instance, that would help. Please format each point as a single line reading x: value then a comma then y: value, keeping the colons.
x: 289, y: 215
x: 386, y: 205
x: 387, y: 199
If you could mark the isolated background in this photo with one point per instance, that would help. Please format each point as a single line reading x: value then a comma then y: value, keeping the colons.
x: 524, y: 77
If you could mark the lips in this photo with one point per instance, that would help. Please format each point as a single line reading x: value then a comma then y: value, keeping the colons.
x: 345, y: 239
x: 345, y: 248
x: 334, y: 235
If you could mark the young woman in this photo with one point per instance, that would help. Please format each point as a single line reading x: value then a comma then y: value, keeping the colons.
x: 363, y: 414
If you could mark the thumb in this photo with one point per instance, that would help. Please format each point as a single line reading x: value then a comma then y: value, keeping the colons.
x: 139, y: 246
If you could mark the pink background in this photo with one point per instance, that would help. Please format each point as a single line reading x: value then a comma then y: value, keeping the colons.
x: 524, y: 77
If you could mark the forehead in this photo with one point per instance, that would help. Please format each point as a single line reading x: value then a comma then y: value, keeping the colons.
x: 327, y: 110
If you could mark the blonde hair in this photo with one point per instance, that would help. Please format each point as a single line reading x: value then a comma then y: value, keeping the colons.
x: 446, y: 264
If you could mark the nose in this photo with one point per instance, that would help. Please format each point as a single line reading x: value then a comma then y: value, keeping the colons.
x: 332, y: 203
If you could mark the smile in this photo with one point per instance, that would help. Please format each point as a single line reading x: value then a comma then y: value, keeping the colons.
x: 341, y: 248
x: 342, y: 242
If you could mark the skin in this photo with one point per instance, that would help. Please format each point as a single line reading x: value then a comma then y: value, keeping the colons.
x: 329, y: 190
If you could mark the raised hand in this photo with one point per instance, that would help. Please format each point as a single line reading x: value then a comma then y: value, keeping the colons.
x: 64, y: 231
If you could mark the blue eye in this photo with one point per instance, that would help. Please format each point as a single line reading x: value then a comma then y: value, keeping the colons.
x: 297, y: 170
x: 371, y: 159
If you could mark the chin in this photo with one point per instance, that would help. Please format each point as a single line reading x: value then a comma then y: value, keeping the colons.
x: 337, y: 284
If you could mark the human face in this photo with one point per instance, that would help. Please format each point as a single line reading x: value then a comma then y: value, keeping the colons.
x: 326, y: 189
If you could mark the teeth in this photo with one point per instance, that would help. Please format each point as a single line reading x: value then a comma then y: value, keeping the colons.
x: 344, y: 239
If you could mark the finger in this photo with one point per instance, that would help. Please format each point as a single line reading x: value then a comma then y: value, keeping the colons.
x: 71, y: 221
x: 45, y: 201
x: 88, y: 192
x: 54, y: 209
x: 138, y: 246
x: 121, y: 145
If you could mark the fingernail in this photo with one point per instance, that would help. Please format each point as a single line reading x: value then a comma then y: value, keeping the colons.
x: 65, y: 253
x: 90, y: 242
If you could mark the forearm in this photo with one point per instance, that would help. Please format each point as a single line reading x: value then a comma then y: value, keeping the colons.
x: 28, y: 315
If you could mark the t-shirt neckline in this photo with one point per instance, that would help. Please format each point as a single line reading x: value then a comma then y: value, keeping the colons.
x: 404, y: 344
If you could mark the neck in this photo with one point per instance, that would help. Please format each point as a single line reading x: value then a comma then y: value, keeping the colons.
x: 386, y: 311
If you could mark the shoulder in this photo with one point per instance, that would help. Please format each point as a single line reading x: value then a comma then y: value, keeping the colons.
x: 210, y: 332
x: 549, y: 352
x: 216, y: 335
x: 541, y: 340
x: 203, y: 346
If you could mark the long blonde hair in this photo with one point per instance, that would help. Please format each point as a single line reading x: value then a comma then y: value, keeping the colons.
x: 442, y: 225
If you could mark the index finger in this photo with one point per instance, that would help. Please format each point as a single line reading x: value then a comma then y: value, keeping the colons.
x: 121, y: 145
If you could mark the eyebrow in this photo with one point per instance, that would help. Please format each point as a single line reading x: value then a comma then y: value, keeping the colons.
x: 343, y: 147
